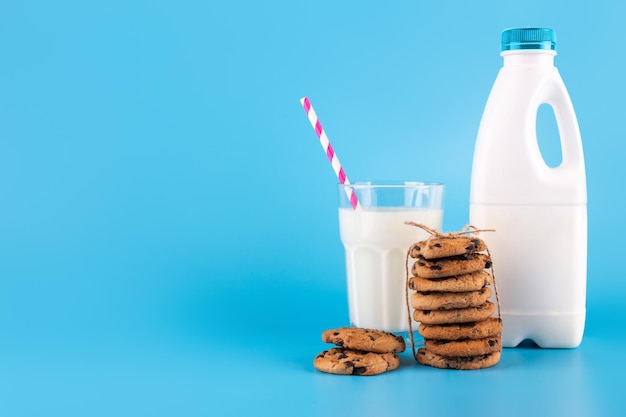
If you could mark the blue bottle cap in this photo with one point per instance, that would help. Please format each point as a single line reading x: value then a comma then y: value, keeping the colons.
x: 528, y: 38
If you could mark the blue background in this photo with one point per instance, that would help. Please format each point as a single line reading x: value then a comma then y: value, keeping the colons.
x: 168, y: 228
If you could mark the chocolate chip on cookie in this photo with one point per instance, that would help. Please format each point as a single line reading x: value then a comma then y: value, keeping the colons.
x: 368, y: 340
x: 341, y: 361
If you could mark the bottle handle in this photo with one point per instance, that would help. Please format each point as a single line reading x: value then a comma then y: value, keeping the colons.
x: 555, y: 94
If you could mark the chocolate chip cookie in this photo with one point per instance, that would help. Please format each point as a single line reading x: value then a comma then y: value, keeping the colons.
x: 464, y: 347
x: 369, y: 340
x: 442, y: 247
x: 489, y: 327
x: 425, y: 357
x: 341, y: 361
x: 458, y: 283
x: 452, y: 265
x: 459, y: 315
x: 449, y: 300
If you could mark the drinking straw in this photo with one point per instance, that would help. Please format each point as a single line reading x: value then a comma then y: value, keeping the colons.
x: 330, y: 153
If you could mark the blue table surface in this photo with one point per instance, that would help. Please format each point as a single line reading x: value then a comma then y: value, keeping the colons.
x: 236, y: 350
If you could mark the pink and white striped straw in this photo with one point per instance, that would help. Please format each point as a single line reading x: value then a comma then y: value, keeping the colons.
x: 328, y: 149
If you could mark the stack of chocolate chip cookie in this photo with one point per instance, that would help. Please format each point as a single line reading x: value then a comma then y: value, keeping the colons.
x: 360, y: 352
x: 451, y: 302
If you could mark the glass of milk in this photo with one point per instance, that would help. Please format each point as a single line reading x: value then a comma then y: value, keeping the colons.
x: 376, y: 240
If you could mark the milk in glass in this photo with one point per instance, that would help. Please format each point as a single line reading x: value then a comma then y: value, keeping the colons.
x: 376, y: 240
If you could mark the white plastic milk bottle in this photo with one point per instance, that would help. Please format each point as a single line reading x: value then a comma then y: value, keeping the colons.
x: 539, y: 213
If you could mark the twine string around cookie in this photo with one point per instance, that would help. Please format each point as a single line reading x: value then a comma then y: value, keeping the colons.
x: 408, y: 304
x: 433, y: 233
x: 495, y: 287
x: 466, y: 230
